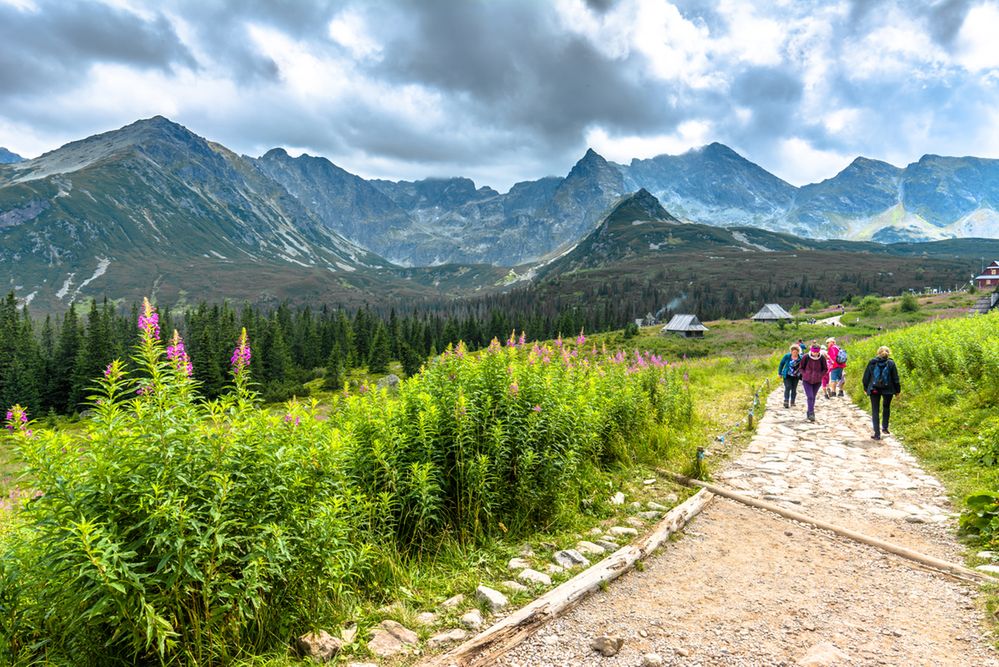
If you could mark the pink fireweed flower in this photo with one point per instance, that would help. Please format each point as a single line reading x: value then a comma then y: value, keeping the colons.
x: 522, y: 340
x: 537, y: 408
x: 558, y: 341
x: 108, y: 371
x: 580, y: 339
x: 494, y: 346
x: 292, y: 419
x: 17, y: 419
x: 514, y: 388
x: 149, y: 320
x: 512, y: 340
x: 241, y: 355
x: 176, y: 353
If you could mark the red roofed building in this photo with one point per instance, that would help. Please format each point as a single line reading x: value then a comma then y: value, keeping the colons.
x: 989, y: 278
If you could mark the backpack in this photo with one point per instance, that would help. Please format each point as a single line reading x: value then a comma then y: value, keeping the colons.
x: 794, y: 368
x: 881, y: 378
x: 841, y: 356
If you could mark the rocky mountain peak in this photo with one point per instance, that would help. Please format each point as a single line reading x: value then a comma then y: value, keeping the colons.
x: 9, y: 157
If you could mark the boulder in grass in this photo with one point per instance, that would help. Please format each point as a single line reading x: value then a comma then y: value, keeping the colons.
x: 448, y: 637
x: 570, y: 558
x: 391, y: 638
x: 617, y: 499
x: 390, y: 381
x: 652, y: 505
x: 472, y: 620
x: 514, y: 586
x: 320, y: 646
x: 622, y: 531
x: 590, y: 548
x: 495, y: 600
x: 518, y: 564
x: 535, y: 578
x: 455, y: 601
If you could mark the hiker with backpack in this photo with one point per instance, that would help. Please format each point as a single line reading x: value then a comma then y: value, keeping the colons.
x: 789, y: 370
x: 813, y: 368
x: 837, y: 364
x: 881, y: 383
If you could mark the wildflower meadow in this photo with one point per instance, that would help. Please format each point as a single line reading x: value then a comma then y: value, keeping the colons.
x: 177, y: 530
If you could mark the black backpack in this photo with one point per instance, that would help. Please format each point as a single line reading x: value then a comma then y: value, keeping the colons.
x: 881, y: 377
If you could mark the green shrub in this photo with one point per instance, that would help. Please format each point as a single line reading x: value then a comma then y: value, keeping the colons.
x: 908, y: 304
x: 174, y: 530
x: 870, y: 305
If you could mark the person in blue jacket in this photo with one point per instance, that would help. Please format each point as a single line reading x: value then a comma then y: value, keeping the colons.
x: 881, y: 383
x: 790, y: 372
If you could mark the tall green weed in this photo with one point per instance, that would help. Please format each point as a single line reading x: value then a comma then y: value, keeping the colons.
x: 183, y: 531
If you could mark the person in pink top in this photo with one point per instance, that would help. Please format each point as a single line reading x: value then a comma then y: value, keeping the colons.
x: 813, y: 366
x: 836, y: 368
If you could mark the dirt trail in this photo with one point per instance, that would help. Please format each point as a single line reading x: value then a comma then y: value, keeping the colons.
x: 745, y: 587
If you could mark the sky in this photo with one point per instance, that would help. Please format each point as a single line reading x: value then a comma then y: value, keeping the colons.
x: 509, y: 90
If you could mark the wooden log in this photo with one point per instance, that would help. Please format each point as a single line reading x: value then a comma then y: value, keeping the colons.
x: 897, y: 549
x: 496, y: 640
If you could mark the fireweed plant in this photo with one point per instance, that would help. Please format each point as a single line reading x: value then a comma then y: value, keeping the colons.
x: 180, y: 531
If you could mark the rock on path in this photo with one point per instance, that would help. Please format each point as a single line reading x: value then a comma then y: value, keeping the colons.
x: 746, y: 587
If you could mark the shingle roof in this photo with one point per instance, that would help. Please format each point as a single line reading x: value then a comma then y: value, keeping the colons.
x: 772, y: 311
x: 684, y: 323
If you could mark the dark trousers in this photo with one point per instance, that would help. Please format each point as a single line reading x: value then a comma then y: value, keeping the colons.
x: 876, y: 400
x: 790, y: 388
x: 811, y: 390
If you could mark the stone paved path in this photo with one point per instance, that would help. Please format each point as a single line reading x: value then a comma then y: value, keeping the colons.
x: 745, y: 587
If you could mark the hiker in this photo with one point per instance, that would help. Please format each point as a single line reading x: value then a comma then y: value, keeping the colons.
x: 790, y: 372
x: 836, y: 368
x: 881, y: 383
x: 824, y: 353
x: 813, y: 368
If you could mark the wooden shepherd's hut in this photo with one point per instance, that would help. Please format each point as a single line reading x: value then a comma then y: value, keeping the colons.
x: 772, y: 312
x: 687, y: 326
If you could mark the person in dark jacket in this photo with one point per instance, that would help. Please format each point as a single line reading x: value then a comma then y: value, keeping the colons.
x: 813, y: 369
x: 788, y: 371
x: 881, y: 383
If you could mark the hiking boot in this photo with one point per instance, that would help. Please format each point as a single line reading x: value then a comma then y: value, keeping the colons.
x: 785, y: 404
x: 792, y: 404
x: 840, y: 393
x: 884, y: 429
x: 875, y: 437
x: 811, y: 416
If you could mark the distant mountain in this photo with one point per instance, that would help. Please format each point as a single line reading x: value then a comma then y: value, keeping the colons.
x: 531, y: 221
x: 154, y: 206
x: 7, y: 157
x: 346, y: 204
x: 712, y: 185
x: 150, y: 201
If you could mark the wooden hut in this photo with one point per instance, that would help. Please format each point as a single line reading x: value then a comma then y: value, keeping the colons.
x: 687, y: 326
x: 772, y: 312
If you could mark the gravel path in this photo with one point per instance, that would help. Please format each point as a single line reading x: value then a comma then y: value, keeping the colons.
x: 745, y: 587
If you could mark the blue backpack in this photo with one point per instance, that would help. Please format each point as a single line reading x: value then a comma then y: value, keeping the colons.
x: 881, y: 378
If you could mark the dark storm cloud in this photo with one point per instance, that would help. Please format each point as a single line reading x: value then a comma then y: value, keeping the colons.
x: 223, y: 26
x: 54, y: 46
x: 517, y: 68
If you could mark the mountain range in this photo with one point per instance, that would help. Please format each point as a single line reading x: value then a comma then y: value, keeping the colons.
x: 153, y: 207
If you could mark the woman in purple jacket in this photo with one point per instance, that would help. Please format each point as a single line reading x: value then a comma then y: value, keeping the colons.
x: 813, y: 368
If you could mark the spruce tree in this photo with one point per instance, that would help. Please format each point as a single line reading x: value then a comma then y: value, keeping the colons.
x: 381, y: 352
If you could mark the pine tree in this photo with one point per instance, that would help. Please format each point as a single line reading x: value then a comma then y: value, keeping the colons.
x: 335, y: 372
x: 411, y: 360
x: 381, y: 353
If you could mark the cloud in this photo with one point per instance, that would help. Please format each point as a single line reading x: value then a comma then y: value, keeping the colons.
x: 513, y: 89
x: 50, y: 45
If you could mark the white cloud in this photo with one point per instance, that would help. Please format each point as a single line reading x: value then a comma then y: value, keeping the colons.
x: 977, y: 38
x: 350, y: 30
x: 689, y: 134
x: 802, y: 163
